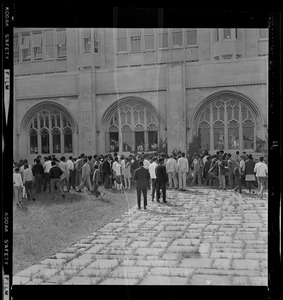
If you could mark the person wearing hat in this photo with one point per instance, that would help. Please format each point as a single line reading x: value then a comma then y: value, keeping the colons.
x: 161, y: 180
x: 249, y: 173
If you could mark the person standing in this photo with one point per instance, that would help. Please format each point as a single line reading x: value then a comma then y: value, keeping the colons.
x: 172, y: 171
x: 114, y: 171
x: 27, y: 181
x: 38, y: 173
x: 142, y: 178
x: 231, y: 168
x: 237, y: 157
x: 206, y: 168
x: 127, y: 173
x: 54, y: 174
x: 95, y: 180
x: 106, y: 172
x: 196, y: 166
x: 47, y: 166
x: 70, y: 165
x: 183, y: 169
x: 18, y: 186
x: 261, y: 171
x: 85, y: 177
x: 64, y: 178
x: 78, y: 169
x: 249, y: 173
x: 242, y: 166
x: 213, y: 170
x: 152, y: 173
x: 161, y: 180
x: 221, y: 172
x: 146, y: 162
x: 118, y: 172
x: 238, y: 180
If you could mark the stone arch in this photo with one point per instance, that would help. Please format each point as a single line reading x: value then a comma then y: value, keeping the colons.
x: 47, y: 105
x: 130, y: 100
x: 227, y: 94
x: 155, y: 123
x: 23, y: 139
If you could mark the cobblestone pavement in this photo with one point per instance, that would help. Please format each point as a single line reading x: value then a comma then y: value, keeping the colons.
x: 200, y: 237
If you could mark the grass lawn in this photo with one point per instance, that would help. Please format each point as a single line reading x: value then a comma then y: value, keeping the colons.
x: 44, y: 227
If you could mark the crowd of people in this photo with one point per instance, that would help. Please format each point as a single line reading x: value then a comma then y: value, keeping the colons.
x: 154, y: 172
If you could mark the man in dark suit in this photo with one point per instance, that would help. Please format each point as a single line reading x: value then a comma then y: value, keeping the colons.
x: 161, y: 180
x: 142, y: 178
x: 106, y: 171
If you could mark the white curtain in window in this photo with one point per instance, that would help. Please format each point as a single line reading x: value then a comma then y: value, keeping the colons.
x: 25, y: 42
x: 37, y: 40
x: 61, y: 37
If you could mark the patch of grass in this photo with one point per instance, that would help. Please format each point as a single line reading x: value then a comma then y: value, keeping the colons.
x: 47, y: 226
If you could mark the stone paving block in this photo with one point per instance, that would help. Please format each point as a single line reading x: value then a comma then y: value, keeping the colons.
x: 262, y: 281
x: 93, y: 272
x: 31, y: 271
x: 82, y: 280
x: 119, y: 281
x: 183, y: 249
x: 245, y: 264
x: 35, y: 281
x: 222, y: 263
x: 69, y: 250
x: 225, y: 239
x: 209, y: 280
x: 196, y: 263
x: 163, y: 280
x: 227, y: 272
x: 150, y: 251
x: 163, y: 271
x: 103, y: 263
x: 95, y: 249
x: 46, y: 273
x: 186, y: 242
x: 53, y: 262
x: 128, y: 262
x: 237, y: 255
x: 19, y: 280
x: 157, y: 263
x: 256, y: 256
x: 66, y: 256
x: 129, y: 272
x: 171, y: 256
x: 138, y: 244
x: 78, y: 263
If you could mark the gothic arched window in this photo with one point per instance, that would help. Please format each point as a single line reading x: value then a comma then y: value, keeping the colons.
x: 133, y: 127
x: 50, y: 132
x: 226, y: 124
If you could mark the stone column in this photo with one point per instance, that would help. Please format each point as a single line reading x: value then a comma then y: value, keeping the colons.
x: 176, y: 108
x: 87, y: 129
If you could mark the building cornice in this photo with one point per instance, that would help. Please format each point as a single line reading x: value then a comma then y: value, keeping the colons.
x: 225, y: 84
x: 44, y: 96
x: 124, y: 91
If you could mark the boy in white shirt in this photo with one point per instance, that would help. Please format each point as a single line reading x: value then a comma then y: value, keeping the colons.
x: 18, y: 187
x: 261, y: 171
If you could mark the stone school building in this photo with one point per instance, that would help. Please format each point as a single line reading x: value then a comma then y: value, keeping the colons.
x: 99, y: 90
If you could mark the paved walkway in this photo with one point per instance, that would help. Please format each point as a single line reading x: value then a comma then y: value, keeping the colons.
x: 200, y: 237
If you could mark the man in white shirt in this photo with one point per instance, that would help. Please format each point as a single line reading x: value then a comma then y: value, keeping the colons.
x: 172, y: 171
x: 27, y: 182
x: 47, y: 166
x: 242, y: 167
x: 70, y: 165
x: 23, y: 167
x: 123, y: 164
x: 146, y: 163
x: 152, y: 173
x: 18, y: 187
x: 261, y: 171
x: 64, y: 178
x: 183, y: 169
